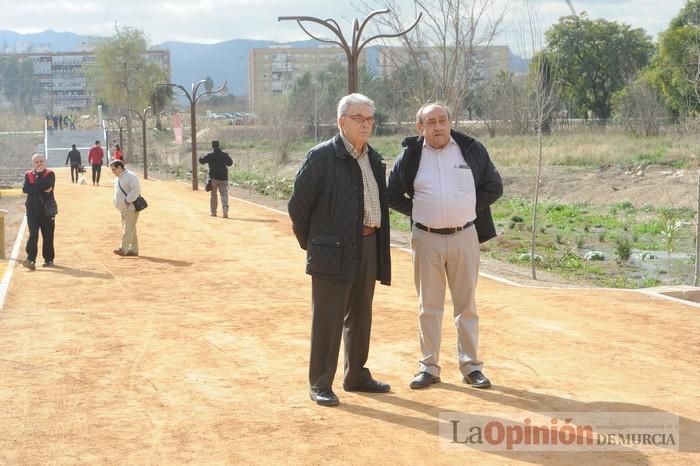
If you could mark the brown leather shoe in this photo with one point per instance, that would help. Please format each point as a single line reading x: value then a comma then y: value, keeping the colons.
x: 119, y: 252
x: 477, y: 380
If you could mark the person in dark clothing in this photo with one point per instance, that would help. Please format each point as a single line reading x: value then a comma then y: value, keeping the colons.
x: 38, y: 186
x: 218, y: 161
x: 340, y: 216
x: 75, y: 163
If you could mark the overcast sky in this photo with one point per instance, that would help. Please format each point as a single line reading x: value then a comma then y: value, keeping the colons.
x: 210, y: 21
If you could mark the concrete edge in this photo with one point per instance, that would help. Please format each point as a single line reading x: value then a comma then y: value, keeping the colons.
x: 11, y: 262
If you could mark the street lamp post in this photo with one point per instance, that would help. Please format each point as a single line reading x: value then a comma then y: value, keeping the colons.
x: 143, y: 118
x: 352, y: 50
x: 193, y: 97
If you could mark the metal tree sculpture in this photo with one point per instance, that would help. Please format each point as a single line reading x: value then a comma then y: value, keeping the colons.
x: 120, y: 124
x: 352, y: 50
x: 144, y: 118
x: 193, y: 98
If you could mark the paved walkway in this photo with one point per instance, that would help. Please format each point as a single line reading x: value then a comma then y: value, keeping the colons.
x: 197, y: 351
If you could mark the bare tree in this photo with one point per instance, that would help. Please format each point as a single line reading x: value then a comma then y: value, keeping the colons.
x: 502, y: 103
x: 692, y: 72
x: 544, y: 98
x: 640, y: 108
x: 449, y: 43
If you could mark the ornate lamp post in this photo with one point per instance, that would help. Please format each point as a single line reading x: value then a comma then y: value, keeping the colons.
x: 193, y: 97
x: 143, y: 118
x: 352, y: 49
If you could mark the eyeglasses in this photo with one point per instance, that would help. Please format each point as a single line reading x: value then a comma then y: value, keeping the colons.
x: 361, y: 120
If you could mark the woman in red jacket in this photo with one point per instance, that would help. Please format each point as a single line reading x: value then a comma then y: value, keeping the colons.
x: 118, y: 155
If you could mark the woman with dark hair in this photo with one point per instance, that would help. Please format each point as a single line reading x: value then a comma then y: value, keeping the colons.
x: 118, y: 154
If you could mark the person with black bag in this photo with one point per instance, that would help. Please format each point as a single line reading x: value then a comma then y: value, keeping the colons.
x: 126, y: 191
x: 41, y: 208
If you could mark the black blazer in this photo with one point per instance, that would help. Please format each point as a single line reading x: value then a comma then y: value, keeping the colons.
x: 327, y: 211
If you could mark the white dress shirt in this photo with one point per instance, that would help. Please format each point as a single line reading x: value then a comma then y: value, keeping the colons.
x: 445, y: 195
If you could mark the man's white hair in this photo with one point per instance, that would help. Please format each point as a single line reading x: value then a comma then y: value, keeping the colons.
x: 37, y: 156
x: 354, y: 99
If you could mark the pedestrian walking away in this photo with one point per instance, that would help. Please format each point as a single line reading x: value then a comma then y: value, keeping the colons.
x: 95, y: 159
x: 39, y: 183
x: 218, y: 162
x: 75, y: 163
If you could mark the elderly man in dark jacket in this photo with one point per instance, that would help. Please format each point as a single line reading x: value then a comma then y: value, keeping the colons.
x: 445, y: 182
x: 38, y: 185
x: 340, y: 216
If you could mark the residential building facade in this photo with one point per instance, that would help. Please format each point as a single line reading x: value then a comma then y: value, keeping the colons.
x: 273, y: 70
x: 62, y: 77
x: 487, y: 60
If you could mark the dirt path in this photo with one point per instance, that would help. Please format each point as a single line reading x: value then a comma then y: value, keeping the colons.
x: 196, y: 352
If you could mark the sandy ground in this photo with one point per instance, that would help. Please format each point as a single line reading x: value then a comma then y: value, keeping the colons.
x: 196, y: 352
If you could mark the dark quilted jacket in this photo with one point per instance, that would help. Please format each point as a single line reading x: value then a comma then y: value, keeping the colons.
x: 327, y: 210
x: 487, y: 180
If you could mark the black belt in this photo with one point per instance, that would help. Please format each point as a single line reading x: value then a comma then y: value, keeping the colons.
x: 443, y: 231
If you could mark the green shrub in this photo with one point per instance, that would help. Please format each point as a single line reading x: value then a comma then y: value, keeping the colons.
x: 623, y: 248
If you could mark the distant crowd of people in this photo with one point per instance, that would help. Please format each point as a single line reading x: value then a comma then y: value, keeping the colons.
x: 59, y: 122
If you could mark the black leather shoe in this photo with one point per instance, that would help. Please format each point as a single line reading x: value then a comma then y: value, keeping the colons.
x: 370, y: 386
x: 324, y: 397
x: 423, y: 379
x: 477, y: 380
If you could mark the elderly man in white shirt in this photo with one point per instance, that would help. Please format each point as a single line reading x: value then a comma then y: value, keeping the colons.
x: 126, y: 190
x: 445, y: 181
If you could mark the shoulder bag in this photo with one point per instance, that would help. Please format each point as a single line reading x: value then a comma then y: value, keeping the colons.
x: 139, y: 203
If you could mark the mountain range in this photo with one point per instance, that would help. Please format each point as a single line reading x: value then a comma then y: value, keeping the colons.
x: 189, y: 62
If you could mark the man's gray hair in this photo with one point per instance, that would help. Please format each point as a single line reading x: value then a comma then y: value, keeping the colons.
x: 437, y: 103
x: 354, y: 99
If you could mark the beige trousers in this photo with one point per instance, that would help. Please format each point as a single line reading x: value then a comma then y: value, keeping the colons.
x: 440, y: 260
x: 130, y: 241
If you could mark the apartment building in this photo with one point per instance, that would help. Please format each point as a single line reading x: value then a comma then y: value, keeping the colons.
x: 62, y: 77
x: 487, y: 60
x: 273, y: 70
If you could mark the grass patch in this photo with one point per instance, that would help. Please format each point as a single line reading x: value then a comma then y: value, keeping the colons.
x: 568, y: 230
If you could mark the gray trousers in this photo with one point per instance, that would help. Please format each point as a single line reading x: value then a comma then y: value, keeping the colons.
x: 440, y: 260
x: 222, y: 187
x: 343, y: 306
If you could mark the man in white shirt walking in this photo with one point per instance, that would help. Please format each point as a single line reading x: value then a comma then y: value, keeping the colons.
x: 126, y: 190
x: 445, y: 181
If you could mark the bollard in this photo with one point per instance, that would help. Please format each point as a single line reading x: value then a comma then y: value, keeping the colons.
x: 2, y: 233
